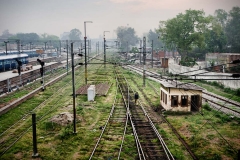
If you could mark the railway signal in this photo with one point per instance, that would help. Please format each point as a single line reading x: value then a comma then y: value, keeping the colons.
x: 19, y: 69
x: 19, y: 66
x: 73, y: 86
x: 42, y: 72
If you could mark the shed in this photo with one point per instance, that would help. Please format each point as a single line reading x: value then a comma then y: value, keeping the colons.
x: 180, y: 97
x: 91, y: 92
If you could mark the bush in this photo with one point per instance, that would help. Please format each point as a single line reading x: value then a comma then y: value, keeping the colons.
x: 66, y: 132
x: 207, y: 107
x: 228, y: 90
x: 238, y: 92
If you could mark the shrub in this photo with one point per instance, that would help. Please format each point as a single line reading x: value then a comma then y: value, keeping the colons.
x: 238, y: 92
x: 65, y: 132
x: 207, y: 107
x: 228, y: 90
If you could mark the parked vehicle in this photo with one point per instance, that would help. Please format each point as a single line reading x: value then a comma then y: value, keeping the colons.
x: 8, y: 62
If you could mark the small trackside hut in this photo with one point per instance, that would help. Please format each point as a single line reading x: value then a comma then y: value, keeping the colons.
x: 180, y: 97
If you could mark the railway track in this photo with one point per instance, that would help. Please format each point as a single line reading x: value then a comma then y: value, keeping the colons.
x: 163, y: 119
x: 112, y: 138
x: 150, y: 144
x: 19, y: 128
x: 212, y: 98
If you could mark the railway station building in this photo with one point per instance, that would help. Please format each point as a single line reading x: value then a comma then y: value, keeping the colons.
x: 180, y: 97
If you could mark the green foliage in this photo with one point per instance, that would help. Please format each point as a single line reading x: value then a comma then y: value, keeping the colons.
x: 75, y: 34
x: 153, y: 35
x: 127, y: 37
x: 221, y: 16
x: 233, y: 30
x: 6, y: 34
x: 238, y: 92
x: 185, y: 30
x: 134, y: 50
x: 207, y: 107
x: 188, y: 61
x: 79, y: 110
x: 215, y: 38
x: 29, y: 37
x: 66, y: 132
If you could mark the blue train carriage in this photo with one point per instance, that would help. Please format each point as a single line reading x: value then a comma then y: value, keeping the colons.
x: 8, y: 62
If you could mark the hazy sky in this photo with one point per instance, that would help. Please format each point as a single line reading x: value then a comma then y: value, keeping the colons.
x: 58, y: 16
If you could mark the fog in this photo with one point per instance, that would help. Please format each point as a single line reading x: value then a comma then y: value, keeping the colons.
x: 58, y: 16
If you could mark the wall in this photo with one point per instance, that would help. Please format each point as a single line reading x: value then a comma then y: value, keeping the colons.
x: 176, y: 69
x: 179, y: 92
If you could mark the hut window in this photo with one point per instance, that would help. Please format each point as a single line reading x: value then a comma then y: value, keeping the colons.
x: 174, y: 101
x: 165, y: 98
x: 161, y: 95
x: 184, y: 100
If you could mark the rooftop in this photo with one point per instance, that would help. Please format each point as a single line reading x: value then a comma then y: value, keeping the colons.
x: 180, y: 85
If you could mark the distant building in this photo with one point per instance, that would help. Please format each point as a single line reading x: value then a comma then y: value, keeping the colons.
x: 220, y: 58
x: 180, y: 97
x: 166, y: 57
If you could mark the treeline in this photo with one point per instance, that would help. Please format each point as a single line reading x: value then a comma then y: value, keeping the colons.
x: 193, y: 32
x: 74, y: 34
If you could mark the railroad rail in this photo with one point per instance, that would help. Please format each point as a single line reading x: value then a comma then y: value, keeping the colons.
x: 113, y: 131
x: 158, y: 77
x: 149, y: 142
x: 18, y: 129
x: 159, y: 110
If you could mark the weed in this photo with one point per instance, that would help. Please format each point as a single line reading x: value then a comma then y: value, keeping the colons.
x: 210, y: 136
x: 216, y: 157
x: 80, y: 110
x: 207, y: 107
x: 66, y: 132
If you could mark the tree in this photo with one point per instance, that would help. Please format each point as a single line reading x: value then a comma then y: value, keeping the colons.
x: 127, y: 37
x: 185, y: 30
x: 6, y: 34
x: 29, y: 37
x: 156, y: 41
x: 53, y: 38
x: 46, y: 37
x: 221, y: 16
x: 233, y: 30
x: 215, y: 38
x: 75, y: 34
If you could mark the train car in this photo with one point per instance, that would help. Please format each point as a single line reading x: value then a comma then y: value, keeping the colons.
x: 8, y: 62
x: 30, y: 53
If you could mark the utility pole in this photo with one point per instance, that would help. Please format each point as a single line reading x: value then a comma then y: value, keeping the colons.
x: 140, y: 52
x: 127, y: 50
x: 144, y: 60
x: 45, y: 46
x: 164, y: 64
x: 104, y: 47
x: 74, y: 94
x: 6, y: 42
x: 85, y: 39
x: 18, y: 46
x: 88, y: 51
x: 98, y: 47
x: 152, y: 53
x: 67, y: 56
x: 35, y: 152
x: 90, y: 47
x: 60, y: 45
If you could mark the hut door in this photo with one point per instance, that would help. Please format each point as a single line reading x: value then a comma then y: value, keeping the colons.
x: 195, y: 102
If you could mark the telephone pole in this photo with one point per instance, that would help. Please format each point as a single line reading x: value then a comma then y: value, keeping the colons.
x: 144, y: 60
